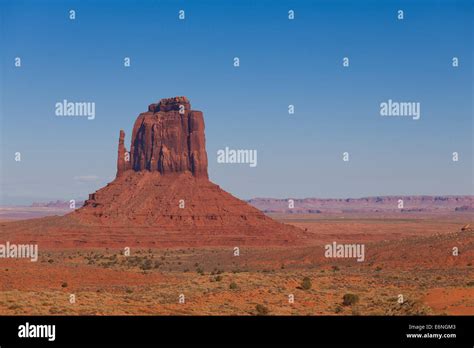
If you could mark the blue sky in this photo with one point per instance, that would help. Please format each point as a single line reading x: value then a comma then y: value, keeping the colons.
x: 282, y: 62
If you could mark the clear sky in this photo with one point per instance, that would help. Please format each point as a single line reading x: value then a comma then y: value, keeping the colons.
x: 282, y: 62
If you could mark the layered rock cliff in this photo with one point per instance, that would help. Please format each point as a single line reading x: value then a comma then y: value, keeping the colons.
x: 168, y: 138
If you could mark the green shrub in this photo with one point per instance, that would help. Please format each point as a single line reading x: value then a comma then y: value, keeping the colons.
x: 350, y: 299
x: 261, y: 309
x: 146, y: 264
x: 157, y: 264
x: 306, y: 283
x: 233, y: 286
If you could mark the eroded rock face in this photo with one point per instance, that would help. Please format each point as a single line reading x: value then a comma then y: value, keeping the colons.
x: 123, y: 157
x: 162, y: 194
x: 170, y: 104
x: 169, y: 138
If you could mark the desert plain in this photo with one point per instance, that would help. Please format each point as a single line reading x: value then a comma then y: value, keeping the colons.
x: 409, y: 269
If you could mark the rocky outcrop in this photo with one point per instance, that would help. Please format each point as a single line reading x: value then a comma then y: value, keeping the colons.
x: 162, y: 194
x: 169, y: 138
x: 170, y: 104
x: 123, y: 157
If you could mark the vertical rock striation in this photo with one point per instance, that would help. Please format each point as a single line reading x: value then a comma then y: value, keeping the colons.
x: 169, y: 138
x: 123, y: 157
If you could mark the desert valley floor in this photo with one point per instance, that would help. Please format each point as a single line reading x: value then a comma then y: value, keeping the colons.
x: 408, y: 255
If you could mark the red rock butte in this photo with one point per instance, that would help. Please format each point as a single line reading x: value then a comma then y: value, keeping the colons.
x: 169, y: 138
x: 161, y: 195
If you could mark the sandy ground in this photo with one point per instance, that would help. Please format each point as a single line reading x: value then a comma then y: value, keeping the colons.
x: 407, y: 258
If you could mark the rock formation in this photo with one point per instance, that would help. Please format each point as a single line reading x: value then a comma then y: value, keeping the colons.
x: 163, y: 185
x: 123, y: 158
x: 378, y: 204
x: 169, y: 138
x: 161, y: 197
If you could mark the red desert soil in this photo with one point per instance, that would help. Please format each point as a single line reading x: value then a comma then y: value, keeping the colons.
x: 215, y: 282
x: 455, y: 301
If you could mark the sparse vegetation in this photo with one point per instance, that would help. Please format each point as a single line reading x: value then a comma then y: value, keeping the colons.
x: 235, y: 286
x: 306, y: 283
x: 157, y: 264
x: 261, y: 309
x: 146, y: 265
x: 217, y: 278
x: 350, y: 299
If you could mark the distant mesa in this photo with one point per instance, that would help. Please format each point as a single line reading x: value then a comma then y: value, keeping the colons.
x: 468, y: 208
x: 56, y: 204
x: 378, y: 204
